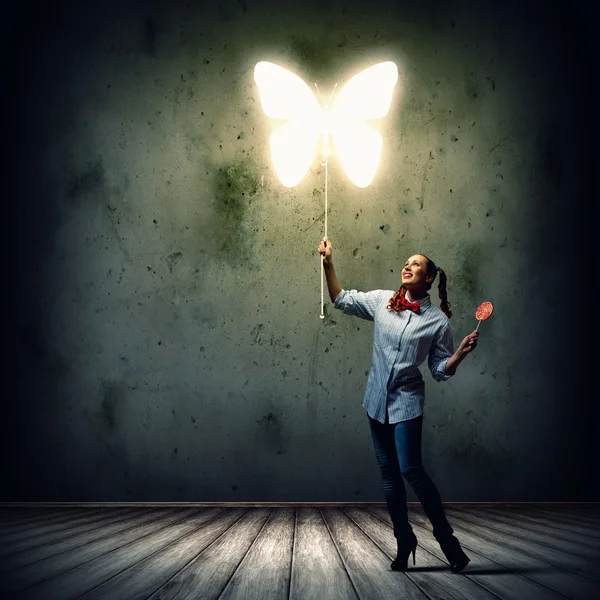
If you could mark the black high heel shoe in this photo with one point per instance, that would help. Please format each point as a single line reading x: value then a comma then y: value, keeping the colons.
x: 400, y: 563
x: 455, y: 555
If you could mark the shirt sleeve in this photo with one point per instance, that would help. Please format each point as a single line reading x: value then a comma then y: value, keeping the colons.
x: 359, y: 304
x: 441, y: 350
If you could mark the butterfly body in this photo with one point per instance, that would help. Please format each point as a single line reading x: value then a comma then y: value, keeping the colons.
x: 285, y: 96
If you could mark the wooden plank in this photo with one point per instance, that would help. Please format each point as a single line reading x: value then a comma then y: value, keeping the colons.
x: 100, y: 556
x: 550, y: 538
x: 205, y: 558
x: 515, y: 538
x: 485, y: 576
x: 15, y: 541
x: 567, y: 512
x: 318, y: 572
x: 220, y: 505
x: 572, y: 532
x: 10, y: 512
x: 570, y: 519
x: 15, y: 548
x: 81, y: 537
x: 431, y: 574
x: 10, y: 516
x: 482, y: 545
x: 368, y: 566
x: 264, y: 573
x: 45, y: 518
x: 501, y: 548
x: 592, y: 511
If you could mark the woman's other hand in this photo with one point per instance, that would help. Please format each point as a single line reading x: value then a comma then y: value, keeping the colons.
x: 469, y: 343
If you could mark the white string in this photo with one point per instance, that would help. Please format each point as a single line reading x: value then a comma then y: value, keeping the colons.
x: 322, y: 315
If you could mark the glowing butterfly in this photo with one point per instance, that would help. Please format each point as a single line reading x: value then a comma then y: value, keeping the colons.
x: 365, y: 96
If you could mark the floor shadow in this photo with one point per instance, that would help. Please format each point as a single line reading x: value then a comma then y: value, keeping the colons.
x: 505, y: 571
x: 426, y: 569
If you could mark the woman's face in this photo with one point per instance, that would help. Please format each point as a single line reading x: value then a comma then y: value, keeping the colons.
x: 414, y: 272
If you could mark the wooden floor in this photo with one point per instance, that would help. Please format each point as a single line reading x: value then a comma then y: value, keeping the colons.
x: 517, y: 552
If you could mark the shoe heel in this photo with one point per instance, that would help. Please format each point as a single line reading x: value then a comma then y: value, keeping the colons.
x: 401, y: 561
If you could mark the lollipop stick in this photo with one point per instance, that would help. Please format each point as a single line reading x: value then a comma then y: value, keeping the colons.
x: 478, y: 324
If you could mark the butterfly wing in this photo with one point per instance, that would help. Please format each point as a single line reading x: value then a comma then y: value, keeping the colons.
x: 284, y: 95
x: 367, y: 95
x: 358, y: 147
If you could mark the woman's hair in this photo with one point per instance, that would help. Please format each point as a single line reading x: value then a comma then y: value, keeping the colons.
x: 396, y: 300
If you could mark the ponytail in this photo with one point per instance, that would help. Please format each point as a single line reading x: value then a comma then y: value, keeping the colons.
x: 444, y: 305
x: 396, y: 300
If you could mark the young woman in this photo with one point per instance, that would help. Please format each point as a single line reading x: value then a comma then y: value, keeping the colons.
x: 408, y: 330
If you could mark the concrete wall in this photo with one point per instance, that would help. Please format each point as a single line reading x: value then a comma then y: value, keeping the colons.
x: 167, y: 344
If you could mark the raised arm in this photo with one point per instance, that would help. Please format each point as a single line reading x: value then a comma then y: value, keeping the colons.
x: 333, y: 284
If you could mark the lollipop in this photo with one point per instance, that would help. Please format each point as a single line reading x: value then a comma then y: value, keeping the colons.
x: 484, y: 312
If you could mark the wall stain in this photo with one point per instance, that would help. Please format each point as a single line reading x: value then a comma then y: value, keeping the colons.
x: 234, y: 188
x: 421, y: 197
x: 313, y: 57
x: 117, y: 210
x: 89, y: 180
x: 256, y: 333
x: 466, y: 281
x: 469, y: 446
x: 271, y: 428
x: 172, y: 259
x: 472, y: 90
x: 113, y: 400
x: 194, y: 146
x: 225, y: 13
x: 312, y: 391
x: 329, y: 321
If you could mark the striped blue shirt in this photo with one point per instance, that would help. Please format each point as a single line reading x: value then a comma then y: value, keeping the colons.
x: 401, y: 342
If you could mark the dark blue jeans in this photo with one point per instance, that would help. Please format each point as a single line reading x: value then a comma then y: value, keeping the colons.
x: 398, y: 451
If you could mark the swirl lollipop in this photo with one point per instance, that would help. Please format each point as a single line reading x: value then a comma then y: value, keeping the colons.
x: 484, y: 312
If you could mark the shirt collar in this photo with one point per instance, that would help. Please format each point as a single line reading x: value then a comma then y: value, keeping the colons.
x: 424, y: 302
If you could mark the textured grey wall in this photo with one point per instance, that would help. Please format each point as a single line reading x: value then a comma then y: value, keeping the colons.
x: 166, y: 332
